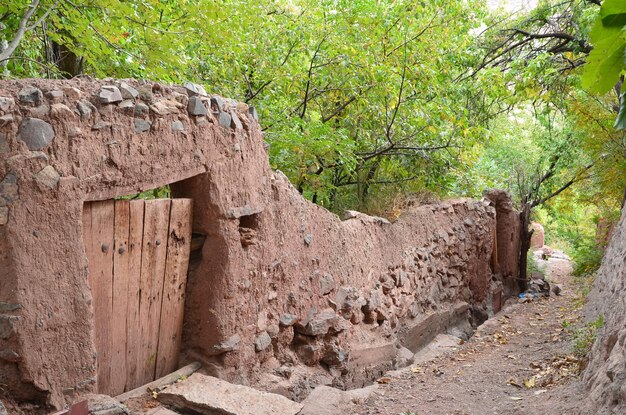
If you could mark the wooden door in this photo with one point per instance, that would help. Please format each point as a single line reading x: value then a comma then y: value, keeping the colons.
x: 138, y: 253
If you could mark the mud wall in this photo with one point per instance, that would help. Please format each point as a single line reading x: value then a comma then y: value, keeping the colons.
x: 505, y: 263
x: 605, y: 375
x: 283, y: 294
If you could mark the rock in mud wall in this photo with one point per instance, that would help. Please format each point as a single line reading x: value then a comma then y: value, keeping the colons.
x: 283, y: 295
x: 606, y: 374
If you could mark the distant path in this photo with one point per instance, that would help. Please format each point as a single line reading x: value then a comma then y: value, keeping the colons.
x: 486, y: 374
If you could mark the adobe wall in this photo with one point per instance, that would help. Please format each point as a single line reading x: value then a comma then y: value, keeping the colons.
x: 506, y: 267
x: 284, y: 295
x: 605, y: 375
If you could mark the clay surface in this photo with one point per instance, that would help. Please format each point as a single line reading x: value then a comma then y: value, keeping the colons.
x: 606, y: 374
x: 282, y: 295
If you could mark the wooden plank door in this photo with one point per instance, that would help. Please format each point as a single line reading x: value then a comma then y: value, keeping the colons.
x: 138, y: 253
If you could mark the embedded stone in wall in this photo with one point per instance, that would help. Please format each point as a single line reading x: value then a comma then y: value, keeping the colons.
x: 322, y: 323
x: 110, y: 94
x: 36, y: 133
x: 48, y: 177
x: 228, y: 345
x: 262, y: 342
x: 9, y: 191
x: 6, y: 103
x: 194, y: 89
x: 127, y: 91
x: 61, y: 111
x: 196, y: 107
x: 287, y: 320
x: 177, y: 126
x: 30, y: 95
x: 142, y: 125
x: 164, y: 107
x: 4, y: 215
x: 55, y: 95
x: 85, y: 109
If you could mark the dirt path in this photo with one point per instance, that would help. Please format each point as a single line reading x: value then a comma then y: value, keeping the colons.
x: 519, y: 362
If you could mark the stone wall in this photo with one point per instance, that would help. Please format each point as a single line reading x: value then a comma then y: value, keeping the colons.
x: 606, y: 373
x: 283, y: 295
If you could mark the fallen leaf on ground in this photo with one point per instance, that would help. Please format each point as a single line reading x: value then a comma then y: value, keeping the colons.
x: 515, y: 398
x: 416, y: 369
x: 501, y: 339
x: 513, y: 382
x: 530, y: 383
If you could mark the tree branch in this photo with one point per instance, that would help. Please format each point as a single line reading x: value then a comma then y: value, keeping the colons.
x: 574, y: 179
x: 23, y: 27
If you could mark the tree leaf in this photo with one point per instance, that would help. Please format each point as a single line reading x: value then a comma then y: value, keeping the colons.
x: 606, y: 60
x: 613, y: 13
x: 620, y: 122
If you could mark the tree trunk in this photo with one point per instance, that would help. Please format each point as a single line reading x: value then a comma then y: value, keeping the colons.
x: 66, y: 60
x: 525, y: 236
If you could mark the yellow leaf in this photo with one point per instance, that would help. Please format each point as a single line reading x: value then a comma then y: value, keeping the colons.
x: 530, y: 383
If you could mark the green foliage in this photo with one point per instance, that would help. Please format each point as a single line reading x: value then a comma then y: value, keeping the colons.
x: 365, y: 101
x: 607, y: 61
x: 352, y: 95
x: 583, y: 336
x: 533, y: 267
x: 158, y: 193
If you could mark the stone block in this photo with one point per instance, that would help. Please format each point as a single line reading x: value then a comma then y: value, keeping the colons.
x: 262, y: 342
x: 61, y: 112
x: 194, y: 89
x: 127, y: 91
x: 6, y: 103
x: 7, y: 326
x: 287, y: 320
x: 206, y: 395
x: 55, y: 95
x: 30, y: 95
x: 177, y: 126
x: 110, y: 94
x: 195, y: 106
x: 48, y: 177
x: 224, y: 119
x: 141, y: 125
x: 229, y: 345
x: 327, y: 284
x: 36, y: 133
x: 9, y: 190
x: 4, y: 215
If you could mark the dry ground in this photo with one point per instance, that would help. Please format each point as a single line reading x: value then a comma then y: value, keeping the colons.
x: 519, y: 362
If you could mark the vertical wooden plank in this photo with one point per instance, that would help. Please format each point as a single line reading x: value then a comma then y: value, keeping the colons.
x: 156, y: 226
x: 120, y: 296
x: 134, y: 377
x: 172, y: 308
x: 101, y: 271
